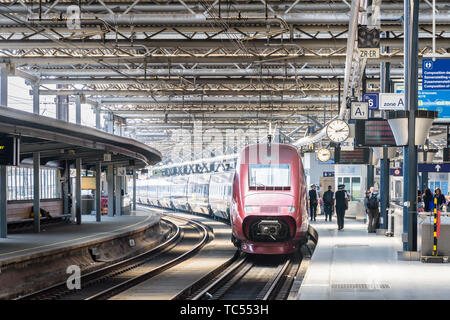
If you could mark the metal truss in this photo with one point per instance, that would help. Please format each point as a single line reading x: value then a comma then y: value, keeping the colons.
x: 161, y: 65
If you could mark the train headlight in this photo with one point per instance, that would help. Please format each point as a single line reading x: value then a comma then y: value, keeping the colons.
x: 251, y: 209
x: 287, y: 209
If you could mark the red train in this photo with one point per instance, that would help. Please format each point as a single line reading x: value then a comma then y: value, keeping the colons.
x: 269, y: 210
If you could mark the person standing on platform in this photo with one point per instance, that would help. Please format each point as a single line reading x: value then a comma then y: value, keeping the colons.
x: 366, y: 200
x: 373, y: 211
x: 440, y: 198
x: 328, y: 203
x: 341, y: 202
x: 427, y: 200
x: 313, y: 202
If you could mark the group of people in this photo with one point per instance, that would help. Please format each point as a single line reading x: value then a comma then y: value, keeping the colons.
x: 425, y: 201
x: 331, y: 200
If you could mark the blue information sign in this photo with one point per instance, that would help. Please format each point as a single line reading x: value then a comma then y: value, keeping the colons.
x: 436, y: 74
x: 434, y: 100
x: 372, y: 99
x: 434, y: 167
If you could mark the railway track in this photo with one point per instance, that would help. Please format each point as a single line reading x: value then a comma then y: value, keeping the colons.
x: 187, y: 239
x: 249, y: 278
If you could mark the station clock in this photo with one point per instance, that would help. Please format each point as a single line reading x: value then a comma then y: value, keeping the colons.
x: 338, y: 131
x: 323, y: 155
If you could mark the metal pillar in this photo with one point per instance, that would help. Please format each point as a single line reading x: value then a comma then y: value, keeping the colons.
x: 370, y: 175
x: 3, y: 201
x: 62, y: 105
x: 4, y: 85
x: 385, y: 69
x: 65, y: 188
x: 78, y: 191
x: 110, y: 181
x: 411, y: 90
x: 36, y: 191
x: 36, y: 109
x: 98, y: 192
x: 97, y: 118
x: 134, y: 189
x: 77, y: 109
x: 118, y: 193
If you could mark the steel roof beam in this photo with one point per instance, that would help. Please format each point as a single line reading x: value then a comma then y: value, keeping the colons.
x: 195, y: 43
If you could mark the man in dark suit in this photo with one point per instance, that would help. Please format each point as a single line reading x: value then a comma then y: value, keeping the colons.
x: 328, y: 203
x: 313, y: 202
x: 341, y: 201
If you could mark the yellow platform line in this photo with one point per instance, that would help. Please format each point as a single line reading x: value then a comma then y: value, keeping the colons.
x: 74, y: 240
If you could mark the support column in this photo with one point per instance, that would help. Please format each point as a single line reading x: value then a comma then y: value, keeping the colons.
x: 134, y: 189
x: 65, y: 187
x: 411, y: 40
x: 118, y: 193
x: 384, y: 189
x: 36, y: 191
x: 36, y: 108
x: 110, y: 181
x: 78, y: 191
x: 97, y: 118
x: 62, y: 105
x: 3, y: 201
x: 4, y: 85
x: 77, y: 109
x: 98, y: 192
x: 385, y: 81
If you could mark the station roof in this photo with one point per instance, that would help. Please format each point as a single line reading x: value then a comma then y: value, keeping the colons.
x: 58, y: 140
x: 163, y: 65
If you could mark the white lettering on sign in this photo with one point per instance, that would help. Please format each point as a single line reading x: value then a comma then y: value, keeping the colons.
x: 392, y: 101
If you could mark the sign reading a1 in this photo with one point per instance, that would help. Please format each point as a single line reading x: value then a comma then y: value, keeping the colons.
x: 372, y: 99
x: 436, y: 74
x: 359, y: 110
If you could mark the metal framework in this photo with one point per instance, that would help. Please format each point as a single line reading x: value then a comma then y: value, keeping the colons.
x: 162, y: 65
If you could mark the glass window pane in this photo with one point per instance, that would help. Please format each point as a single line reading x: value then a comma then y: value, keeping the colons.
x: 356, y: 188
x: 266, y: 175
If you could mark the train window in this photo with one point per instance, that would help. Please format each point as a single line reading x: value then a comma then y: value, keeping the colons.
x: 270, y: 175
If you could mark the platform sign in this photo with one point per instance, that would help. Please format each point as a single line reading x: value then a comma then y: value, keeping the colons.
x: 392, y: 101
x: 434, y: 167
x: 374, y: 133
x: 359, y: 110
x: 348, y: 144
x: 372, y: 99
x: 397, y: 172
x: 357, y: 156
x: 431, y: 100
x: 436, y: 74
x: 327, y: 174
x: 368, y: 42
x: 121, y: 171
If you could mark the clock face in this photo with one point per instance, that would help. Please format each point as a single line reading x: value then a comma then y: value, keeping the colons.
x: 338, y: 130
x: 324, y: 155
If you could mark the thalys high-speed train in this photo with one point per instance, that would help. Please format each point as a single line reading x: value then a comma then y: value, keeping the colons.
x: 269, y: 210
x: 265, y: 198
x: 207, y: 193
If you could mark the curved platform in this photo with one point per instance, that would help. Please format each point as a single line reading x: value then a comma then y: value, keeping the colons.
x: 356, y: 265
x: 60, y: 238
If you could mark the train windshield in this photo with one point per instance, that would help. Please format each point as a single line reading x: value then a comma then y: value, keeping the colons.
x: 269, y: 175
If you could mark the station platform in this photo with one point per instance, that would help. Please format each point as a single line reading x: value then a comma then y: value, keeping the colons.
x: 56, y: 238
x: 355, y: 265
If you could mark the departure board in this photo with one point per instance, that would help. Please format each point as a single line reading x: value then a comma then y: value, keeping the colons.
x: 356, y: 156
x: 374, y: 133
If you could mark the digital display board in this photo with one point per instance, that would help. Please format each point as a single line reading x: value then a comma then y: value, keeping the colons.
x: 356, y: 156
x: 374, y: 133
x: 446, y: 155
x: 9, y: 151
